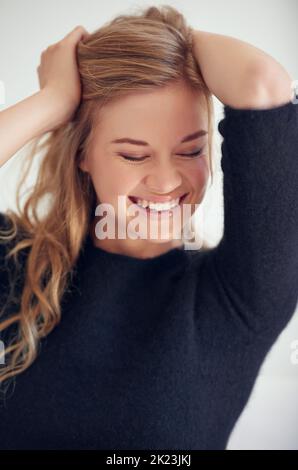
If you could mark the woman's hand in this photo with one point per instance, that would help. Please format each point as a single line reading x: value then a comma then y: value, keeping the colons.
x: 53, y: 105
x: 58, y: 74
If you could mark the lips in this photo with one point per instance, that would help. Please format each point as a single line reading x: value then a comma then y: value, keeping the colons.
x: 134, y: 199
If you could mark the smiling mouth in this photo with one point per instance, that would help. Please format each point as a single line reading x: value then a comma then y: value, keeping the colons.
x: 134, y: 199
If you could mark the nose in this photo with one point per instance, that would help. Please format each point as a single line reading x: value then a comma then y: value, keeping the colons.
x: 164, y: 178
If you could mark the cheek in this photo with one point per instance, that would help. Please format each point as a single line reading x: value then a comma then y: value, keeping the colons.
x: 198, y: 174
x: 112, y: 179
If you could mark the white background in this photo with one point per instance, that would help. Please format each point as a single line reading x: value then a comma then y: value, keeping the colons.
x: 270, y: 419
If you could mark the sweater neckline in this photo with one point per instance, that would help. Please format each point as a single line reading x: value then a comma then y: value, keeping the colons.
x: 172, y: 255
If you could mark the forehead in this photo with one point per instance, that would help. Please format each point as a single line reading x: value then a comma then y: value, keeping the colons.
x: 172, y: 109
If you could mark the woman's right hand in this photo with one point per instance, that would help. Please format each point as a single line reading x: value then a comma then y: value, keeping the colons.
x: 58, y: 74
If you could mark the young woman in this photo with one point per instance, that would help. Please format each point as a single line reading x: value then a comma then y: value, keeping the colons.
x: 138, y: 343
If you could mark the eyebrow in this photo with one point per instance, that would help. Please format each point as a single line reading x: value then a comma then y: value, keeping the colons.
x: 187, y: 138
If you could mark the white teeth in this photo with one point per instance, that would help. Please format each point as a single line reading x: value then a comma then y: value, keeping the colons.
x: 158, y: 206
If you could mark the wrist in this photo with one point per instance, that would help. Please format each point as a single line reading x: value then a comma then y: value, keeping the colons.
x: 53, y: 112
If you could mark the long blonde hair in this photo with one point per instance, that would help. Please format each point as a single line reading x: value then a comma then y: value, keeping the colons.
x: 142, y: 51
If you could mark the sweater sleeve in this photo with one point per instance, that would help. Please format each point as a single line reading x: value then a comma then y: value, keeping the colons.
x: 256, y: 260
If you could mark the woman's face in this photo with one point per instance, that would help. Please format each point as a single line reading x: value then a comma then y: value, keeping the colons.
x: 158, y: 121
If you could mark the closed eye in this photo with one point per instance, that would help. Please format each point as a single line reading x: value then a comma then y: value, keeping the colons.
x: 191, y: 155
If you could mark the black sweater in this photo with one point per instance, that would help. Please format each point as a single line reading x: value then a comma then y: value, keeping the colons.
x: 163, y: 353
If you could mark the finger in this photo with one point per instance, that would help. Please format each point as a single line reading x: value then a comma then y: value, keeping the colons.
x: 77, y: 33
x: 86, y: 35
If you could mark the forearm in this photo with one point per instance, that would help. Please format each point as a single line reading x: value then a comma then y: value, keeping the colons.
x: 23, y: 122
x: 239, y: 74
